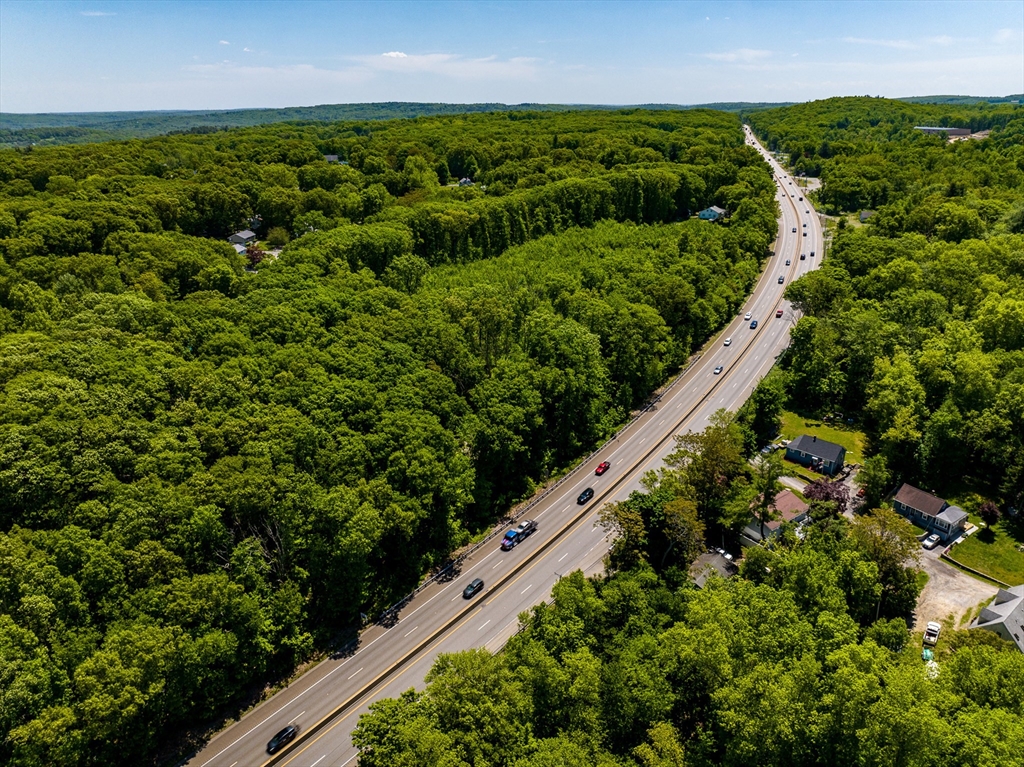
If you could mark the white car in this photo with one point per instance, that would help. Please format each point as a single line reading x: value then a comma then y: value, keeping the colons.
x: 747, y: 316
x: 727, y: 342
x: 931, y: 541
x: 931, y: 633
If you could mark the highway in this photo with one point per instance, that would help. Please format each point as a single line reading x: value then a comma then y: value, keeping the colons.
x: 326, y: 702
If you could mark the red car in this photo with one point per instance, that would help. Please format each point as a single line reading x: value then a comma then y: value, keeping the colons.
x: 778, y: 313
x: 602, y: 468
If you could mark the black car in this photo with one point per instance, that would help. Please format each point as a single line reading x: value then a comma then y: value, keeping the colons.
x: 803, y: 256
x: 787, y: 262
x: 475, y: 587
x: 283, y: 738
x: 781, y: 279
x: 585, y: 496
x: 753, y: 324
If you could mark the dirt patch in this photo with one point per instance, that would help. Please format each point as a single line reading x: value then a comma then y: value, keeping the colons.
x: 948, y: 592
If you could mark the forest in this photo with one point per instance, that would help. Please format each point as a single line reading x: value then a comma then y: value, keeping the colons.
x: 212, y: 462
x: 916, y: 318
x: 803, y: 659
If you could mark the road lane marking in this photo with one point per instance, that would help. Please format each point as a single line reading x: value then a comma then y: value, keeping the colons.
x: 485, y: 625
x: 496, y: 565
x: 526, y: 589
x: 350, y: 759
x: 568, y: 507
x: 360, y: 669
x: 563, y: 556
x: 412, y: 630
x: 314, y: 764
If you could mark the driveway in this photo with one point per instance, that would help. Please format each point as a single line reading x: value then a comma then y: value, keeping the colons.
x: 948, y: 592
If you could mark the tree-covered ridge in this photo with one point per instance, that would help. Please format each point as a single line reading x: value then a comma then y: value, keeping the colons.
x: 917, y: 319
x: 211, y: 463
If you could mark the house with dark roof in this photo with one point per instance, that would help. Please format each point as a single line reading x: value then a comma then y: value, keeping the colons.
x: 1005, y: 616
x: 818, y: 454
x: 245, y: 237
x: 712, y: 564
x: 930, y: 511
x: 787, y: 507
x: 712, y: 214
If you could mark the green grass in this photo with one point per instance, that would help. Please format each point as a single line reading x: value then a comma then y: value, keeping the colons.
x: 992, y: 550
x: 793, y: 425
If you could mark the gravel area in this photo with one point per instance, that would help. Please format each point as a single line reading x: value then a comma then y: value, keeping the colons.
x: 948, y: 592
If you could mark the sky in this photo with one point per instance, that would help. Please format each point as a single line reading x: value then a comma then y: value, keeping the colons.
x: 103, y: 56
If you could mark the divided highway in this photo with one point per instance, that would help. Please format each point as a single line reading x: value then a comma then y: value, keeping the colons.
x: 326, y: 702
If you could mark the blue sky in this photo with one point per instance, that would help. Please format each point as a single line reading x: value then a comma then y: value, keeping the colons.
x: 96, y: 56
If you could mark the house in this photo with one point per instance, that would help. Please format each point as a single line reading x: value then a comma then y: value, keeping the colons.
x: 930, y: 511
x: 331, y: 157
x: 788, y: 508
x: 820, y: 455
x: 710, y: 564
x: 1005, y: 616
x: 711, y: 214
x: 465, y: 182
x: 245, y: 237
x: 239, y: 249
x: 865, y: 215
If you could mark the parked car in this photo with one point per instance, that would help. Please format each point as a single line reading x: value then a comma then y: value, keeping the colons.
x: 585, y: 496
x: 475, y: 587
x: 861, y: 493
x: 753, y: 324
x: 602, y: 468
x: 932, y: 541
x: 931, y: 633
x: 283, y: 738
x: 718, y: 370
x: 778, y: 312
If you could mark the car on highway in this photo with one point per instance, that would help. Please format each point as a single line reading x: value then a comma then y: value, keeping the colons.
x: 805, y: 226
x: 283, y: 738
x: 778, y: 312
x: 931, y: 632
x: 781, y: 279
x: 805, y: 234
x: 747, y: 316
x: 801, y: 197
x: 794, y: 228
x: 753, y: 324
x: 475, y: 587
x: 807, y: 211
x: 787, y: 262
x: 718, y: 370
x: 727, y: 342
x: 512, y: 537
x: 803, y: 256
x: 931, y: 541
x: 585, y: 496
x: 602, y: 468
x: 812, y: 253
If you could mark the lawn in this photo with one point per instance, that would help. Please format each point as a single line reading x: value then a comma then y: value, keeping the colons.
x: 993, y: 551
x: 793, y: 425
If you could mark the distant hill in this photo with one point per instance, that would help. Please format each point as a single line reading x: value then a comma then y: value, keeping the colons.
x: 964, y: 100
x: 87, y: 127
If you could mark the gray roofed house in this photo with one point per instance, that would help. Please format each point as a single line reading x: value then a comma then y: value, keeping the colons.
x: 239, y: 249
x: 331, y: 157
x: 712, y: 214
x: 1005, y: 616
x: 930, y: 512
x: 819, y: 454
x: 711, y: 564
x: 244, y: 237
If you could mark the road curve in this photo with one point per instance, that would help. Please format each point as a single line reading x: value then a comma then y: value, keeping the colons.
x: 327, y: 701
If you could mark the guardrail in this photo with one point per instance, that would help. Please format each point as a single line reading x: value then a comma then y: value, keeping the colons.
x: 390, y: 614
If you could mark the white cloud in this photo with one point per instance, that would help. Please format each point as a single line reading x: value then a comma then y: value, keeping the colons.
x: 395, y: 55
x: 905, y: 45
x: 96, y: 13
x: 224, y: 42
x: 1003, y: 36
x: 744, y: 55
x: 247, y: 50
x: 941, y: 40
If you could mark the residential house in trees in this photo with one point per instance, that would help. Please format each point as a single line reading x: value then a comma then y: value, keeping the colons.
x: 787, y: 507
x: 714, y: 213
x: 930, y: 511
x: 1005, y: 616
x: 245, y: 237
x: 818, y: 454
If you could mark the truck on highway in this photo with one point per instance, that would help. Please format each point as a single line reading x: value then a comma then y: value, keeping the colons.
x: 512, y: 537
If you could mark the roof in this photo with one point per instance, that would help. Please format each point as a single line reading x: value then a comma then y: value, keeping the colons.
x: 819, y: 448
x: 1008, y: 609
x: 709, y: 564
x: 928, y: 504
x: 719, y: 211
x: 331, y: 157
x: 239, y: 248
x: 952, y: 514
x: 246, y: 234
x: 787, y: 506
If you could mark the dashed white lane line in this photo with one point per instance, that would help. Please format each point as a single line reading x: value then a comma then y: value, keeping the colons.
x: 563, y: 556
x: 526, y: 589
x: 496, y: 565
x: 619, y: 461
x: 643, y: 440
x: 570, y: 505
x: 350, y: 759
x: 314, y: 764
x: 485, y: 625
x: 356, y: 672
x: 412, y: 630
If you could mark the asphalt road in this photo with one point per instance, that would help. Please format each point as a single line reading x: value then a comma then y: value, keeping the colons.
x: 326, y: 702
